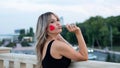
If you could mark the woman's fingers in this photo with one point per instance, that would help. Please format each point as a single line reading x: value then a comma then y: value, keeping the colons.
x: 71, y: 27
x: 68, y: 27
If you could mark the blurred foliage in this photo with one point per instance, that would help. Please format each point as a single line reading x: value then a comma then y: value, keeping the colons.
x: 11, y: 44
x: 97, y: 31
x: 0, y: 43
x: 25, y: 44
x: 24, y: 33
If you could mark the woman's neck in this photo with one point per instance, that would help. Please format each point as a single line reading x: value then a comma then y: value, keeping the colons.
x: 52, y: 36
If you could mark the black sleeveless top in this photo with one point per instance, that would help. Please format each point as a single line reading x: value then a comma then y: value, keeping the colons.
x: 50, y: 62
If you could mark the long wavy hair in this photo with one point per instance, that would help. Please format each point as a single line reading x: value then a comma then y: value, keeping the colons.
x: 41, y: 34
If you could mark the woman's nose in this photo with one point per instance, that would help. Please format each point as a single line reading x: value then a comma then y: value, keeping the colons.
x: 58, y: 23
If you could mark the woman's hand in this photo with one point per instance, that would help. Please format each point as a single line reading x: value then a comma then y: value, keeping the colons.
x: 73, y: 28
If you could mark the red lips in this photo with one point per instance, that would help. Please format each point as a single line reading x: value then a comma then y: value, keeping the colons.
x: 52, y: 27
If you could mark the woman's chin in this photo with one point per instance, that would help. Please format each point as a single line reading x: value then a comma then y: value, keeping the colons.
x: 60, y: 31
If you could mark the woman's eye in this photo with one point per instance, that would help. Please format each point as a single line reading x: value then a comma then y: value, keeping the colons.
x: 52, y: 21
x: 58, y: 20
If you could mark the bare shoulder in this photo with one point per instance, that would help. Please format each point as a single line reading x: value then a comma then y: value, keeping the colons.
x: 62, y: 48
x: 60, y: 45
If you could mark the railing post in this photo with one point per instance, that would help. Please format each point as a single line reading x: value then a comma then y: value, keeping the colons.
x: 29, y: 65
x: 6, y: 64
x: 16, y: 64
x: 22, y: 65
x: 1, y: 64
x: 34, y: 66
x: 11, y: 64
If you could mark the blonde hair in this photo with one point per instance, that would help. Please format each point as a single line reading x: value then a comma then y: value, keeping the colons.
x: 41, y: 35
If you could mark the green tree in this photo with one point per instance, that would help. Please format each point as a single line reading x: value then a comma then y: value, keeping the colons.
x: 0, y: 43
x: 30, y: 32
x: 93, y: 26
x: 11, y: 44
x: 114, y: 22
x: 97, y: 31
x: 22, y: 34
x: 25, y: 44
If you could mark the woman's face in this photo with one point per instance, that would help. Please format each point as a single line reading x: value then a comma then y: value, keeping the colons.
x: 54, y: 26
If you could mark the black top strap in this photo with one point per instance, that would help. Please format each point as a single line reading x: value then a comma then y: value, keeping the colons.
x: 48, y: 48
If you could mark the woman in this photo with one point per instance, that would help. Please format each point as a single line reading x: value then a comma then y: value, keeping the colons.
x: 53, y: 51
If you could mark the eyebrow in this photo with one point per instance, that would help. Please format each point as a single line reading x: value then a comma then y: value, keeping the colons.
x: 51, y: 19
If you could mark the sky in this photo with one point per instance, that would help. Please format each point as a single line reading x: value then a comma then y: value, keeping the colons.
x: 23, y: 14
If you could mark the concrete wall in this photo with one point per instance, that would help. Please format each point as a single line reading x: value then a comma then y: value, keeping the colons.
x: 13, y: 60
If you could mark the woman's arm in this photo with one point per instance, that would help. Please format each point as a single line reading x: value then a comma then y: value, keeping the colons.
x: 64, y: 50
x: 81, y: 43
